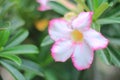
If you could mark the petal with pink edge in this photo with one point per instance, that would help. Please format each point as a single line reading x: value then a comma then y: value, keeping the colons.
x: 95, y: 39
x: 82, y: 56
x: 59, y: 29
x: 62, y: 50
x: 42, y: 2
x: 43, y: 8
x: 83, y: 20
x: 43, y: 5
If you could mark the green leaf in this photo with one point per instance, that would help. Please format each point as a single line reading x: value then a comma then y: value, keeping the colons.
x: 100, y: 10
x: 49, y: 75
x: 115, y: 41
x: 12, y: 70
x: 12, y: 57
x: 104, y: 55
x: 47, y: 60
x: 110, y: 20
x: 47, y: 41
x: 4, y: 35
x: 18, y: 38
x: 115, y: 56
x: 28, y: 65
x: 101, y: 1
x: 6, y: 7
x: 21, y: 49
x: 29, y: 75
x: 90, y: 5
x: 16, y: 22
x: 95, y: 3
x: 57, y: 7
x: 96, y: 26
x: 4, y: 25
x: 115, y: 12
x: 110, y: 56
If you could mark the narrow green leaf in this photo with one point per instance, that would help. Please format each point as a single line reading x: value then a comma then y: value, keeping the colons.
x: 4, y: 35
x: 16, y: 22
x: 29, y: 75
x: 21, y: 49
x: 116, y: 14
x: 2, y: 28
x: 90, y: 5
x: 57, y: 7
x: 12, y: 57
x: 49, y: 75
x: 4, y: 25
x: 18, y: 38
x: 95, y: 3
x: 47, y: 41
x: 110, y: 55
x: 115, y: 41
x: 7, y: 6
x: 101, y: 1
x: 104, y: 55
x: 100, y: 10
x: 96, y: 26
x: 28, y: 65
x: 110, y: 20
x: 13, y: 71
x: 115, y: 56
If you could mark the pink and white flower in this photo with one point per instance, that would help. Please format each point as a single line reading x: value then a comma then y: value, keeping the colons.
x: 76, y: 40
x: 43, y: 5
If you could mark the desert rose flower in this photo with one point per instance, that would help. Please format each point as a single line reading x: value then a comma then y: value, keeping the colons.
x: 76, y: 40
x: 43, y: 5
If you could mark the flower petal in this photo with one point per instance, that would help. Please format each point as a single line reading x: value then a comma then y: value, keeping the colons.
x: 59, y: 29
x: 42, y: 2
x: 83, y: 20
x: 82, y: 56
x: 62, y: 50
x: 43, y: 5
x: 95, y: 39
x: 43, y: 8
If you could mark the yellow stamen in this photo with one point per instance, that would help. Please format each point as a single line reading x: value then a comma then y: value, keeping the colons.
x: 77, y: 36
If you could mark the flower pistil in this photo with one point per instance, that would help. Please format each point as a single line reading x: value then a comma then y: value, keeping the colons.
x: 77, y: 36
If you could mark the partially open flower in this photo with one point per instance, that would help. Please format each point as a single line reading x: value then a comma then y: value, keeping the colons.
x: 76, y: 39
x: 43, y: 5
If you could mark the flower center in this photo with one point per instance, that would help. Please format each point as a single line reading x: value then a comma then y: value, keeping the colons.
x: 77, y: 36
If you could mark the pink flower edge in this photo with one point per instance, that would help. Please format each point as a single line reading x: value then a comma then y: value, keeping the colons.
x: 83, y: 68
x: 53, y: 53
x: 76, y: 65
x: 43, y: 6
x: 65, y: 58
x: 78, y: 20
x: 104, y: 46
x: 98, y: 34
x: 51, y: 24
